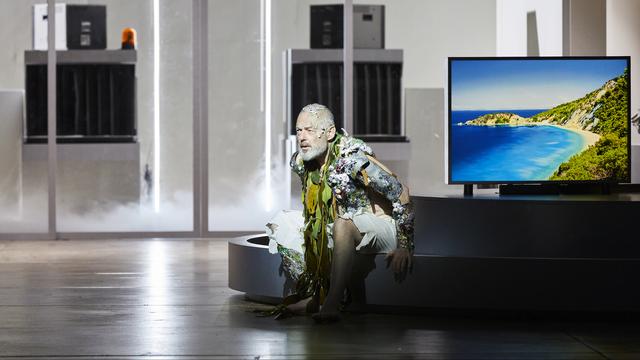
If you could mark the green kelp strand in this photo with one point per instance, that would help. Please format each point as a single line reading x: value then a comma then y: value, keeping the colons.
x: 327, y: 195
x: 314, y: 281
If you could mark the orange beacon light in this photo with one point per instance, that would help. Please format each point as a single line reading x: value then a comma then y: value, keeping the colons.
x: 129, y: 38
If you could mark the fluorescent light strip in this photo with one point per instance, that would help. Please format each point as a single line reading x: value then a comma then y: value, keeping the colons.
x: 267, y: 105
x: 156, y: 105
x: 262, y: 50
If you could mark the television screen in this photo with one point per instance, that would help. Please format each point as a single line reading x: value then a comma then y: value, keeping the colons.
x: 542, y: 119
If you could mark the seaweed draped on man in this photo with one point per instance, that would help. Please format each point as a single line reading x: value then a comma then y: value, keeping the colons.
x: 351, y: 203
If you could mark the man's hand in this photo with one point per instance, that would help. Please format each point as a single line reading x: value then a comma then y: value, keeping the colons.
x: 400, y: 260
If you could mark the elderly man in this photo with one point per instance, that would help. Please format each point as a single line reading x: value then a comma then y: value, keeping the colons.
x: 352, y: 203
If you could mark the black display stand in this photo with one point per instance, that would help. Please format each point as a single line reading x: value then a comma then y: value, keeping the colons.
x: 568, y: 189
x: 554, y: 189
x: 561, y: 189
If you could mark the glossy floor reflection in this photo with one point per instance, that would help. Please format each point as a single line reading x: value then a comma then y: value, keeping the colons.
x: 168, y: 299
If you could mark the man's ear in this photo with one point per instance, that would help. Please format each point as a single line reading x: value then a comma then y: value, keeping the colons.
x: 331, y: 133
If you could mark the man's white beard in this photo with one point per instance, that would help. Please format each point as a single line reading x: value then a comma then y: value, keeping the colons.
x: 314, y: 152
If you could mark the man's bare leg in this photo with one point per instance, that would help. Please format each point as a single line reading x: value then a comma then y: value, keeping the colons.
x: 345, y: 238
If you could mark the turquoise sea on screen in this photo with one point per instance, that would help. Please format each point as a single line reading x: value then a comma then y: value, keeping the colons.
x: 510, y: 153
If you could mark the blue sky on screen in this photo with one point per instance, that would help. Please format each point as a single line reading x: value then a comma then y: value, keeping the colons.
x: 527, y: 84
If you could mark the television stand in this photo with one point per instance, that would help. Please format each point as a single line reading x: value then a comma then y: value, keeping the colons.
x: 468, y: 189
x: 555, y: 189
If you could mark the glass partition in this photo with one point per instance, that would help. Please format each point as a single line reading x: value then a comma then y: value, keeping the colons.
x: 125, y: 119
x: 23, y: 174
x: 236, y: 125
x: 251, y: 115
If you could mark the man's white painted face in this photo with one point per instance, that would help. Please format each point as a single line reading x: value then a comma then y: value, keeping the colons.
x: 312, y: 141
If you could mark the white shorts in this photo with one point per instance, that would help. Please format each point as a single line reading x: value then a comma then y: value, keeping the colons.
x: 379, y: 232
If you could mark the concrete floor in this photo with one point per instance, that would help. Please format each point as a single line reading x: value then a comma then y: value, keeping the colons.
x: 168, y: 299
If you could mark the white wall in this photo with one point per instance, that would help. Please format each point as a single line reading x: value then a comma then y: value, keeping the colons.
x: 585, y: 27
x: 623, y: 38
x: 563, y: 27
x: 511, y: 26
x: 431, y: 31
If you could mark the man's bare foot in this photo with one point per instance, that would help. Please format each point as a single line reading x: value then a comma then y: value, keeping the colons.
x: 308, y: 305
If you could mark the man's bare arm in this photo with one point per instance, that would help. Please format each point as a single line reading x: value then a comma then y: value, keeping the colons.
x: 381, y: 180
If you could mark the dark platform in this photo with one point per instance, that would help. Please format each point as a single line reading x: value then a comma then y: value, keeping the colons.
x: 494, y: 252
x: 534, y: 226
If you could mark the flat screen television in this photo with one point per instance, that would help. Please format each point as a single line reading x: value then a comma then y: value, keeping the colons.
x: 519, y: 120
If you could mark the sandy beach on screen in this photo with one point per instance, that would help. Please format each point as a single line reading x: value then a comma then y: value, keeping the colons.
x: 588, y: 137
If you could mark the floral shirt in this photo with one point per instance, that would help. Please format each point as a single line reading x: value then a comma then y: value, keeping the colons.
x: 355, y: 172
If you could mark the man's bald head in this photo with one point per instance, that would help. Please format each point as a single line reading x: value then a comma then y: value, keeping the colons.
x: 321, y: 116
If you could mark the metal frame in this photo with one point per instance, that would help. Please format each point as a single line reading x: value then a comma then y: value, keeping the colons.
x: 335, y: 55
x: 200, y: 131
x: 200, y: 119
x: 40, y: 57
x: 52, y: 164
x: 347, y: 65
x: 25, y: 236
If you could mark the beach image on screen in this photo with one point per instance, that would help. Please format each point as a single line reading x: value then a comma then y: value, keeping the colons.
x: 526, y: 120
